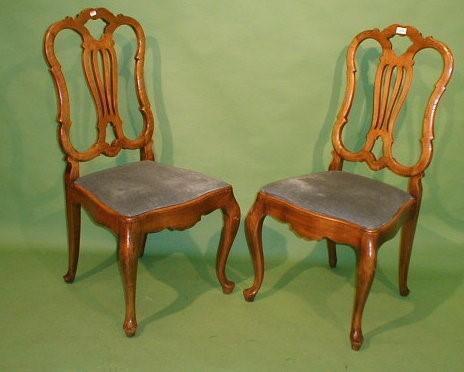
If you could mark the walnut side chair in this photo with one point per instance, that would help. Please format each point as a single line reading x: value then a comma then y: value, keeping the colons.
x: 137, y: 198
x: 346, y: 208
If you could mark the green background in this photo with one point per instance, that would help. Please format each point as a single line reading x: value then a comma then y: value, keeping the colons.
x: 246, y: 91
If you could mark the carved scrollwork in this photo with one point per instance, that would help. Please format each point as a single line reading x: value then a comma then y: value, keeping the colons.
x: 187, y: 223
x: 100, y: 65
x: 392, y: 84
x: 304, y: 232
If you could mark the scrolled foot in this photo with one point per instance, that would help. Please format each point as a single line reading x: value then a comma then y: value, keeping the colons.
x: 249, y: 294
x: 356, y: 339
x: 227, y: 287
x: 69, y: 277
x: 130, y: 327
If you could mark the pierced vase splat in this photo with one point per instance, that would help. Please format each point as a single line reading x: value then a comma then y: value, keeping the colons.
x: 393, y: 81
x: 100, y: 65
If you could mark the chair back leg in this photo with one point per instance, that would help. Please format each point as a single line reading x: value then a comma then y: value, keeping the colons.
x: 143, y: 242
x: 73, y: 216
x: 332, y: 251
x: 407, y: 238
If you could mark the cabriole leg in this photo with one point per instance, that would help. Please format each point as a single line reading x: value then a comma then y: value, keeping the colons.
x: 253, y: 229
x: 128, y: 260
x: 366, y: 265
x: 231, y: 216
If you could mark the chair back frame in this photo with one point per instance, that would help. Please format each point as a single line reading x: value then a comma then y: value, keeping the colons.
x: 99, y: 61
x: 391, y: 87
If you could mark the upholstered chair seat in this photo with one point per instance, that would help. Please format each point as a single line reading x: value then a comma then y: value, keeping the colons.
x: 144, y: 186
x: 342, y: 195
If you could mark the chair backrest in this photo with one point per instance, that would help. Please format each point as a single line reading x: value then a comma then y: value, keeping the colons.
x: 100, y: 66
x: 391, y: 87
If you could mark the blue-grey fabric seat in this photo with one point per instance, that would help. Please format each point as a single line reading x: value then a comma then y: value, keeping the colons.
x: 345, y: 196
x: 144, y: 186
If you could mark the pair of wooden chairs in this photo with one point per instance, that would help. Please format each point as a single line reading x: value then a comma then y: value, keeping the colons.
x: 143, y: 197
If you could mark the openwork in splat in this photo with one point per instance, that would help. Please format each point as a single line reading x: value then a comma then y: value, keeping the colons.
x: 392, y: 84
x: 101, y: 71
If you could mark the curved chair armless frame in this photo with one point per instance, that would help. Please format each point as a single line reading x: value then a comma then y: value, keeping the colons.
x: 131, y: 231
x: 387, y: 106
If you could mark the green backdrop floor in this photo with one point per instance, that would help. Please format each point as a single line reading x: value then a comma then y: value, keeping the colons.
x: 300, y: 320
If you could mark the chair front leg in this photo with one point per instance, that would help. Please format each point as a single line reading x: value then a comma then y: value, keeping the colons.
x: 231, y: 217
x: 73, y: 216
x: 407, y: 238
x: 129, y: 243
x: 366, y: 266
x: 253, y: 230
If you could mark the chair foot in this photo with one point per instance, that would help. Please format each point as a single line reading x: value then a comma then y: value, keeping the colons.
x: 404, y: 291
x: 130, y: 327
x: 228, y: 287
x: 356, y: 338
x: 333, y: 264
x: 69, y: 277
x: 250, y: 293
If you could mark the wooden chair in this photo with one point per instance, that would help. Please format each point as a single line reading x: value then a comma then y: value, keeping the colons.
x: 350, y: 209
x: 137, y: 198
